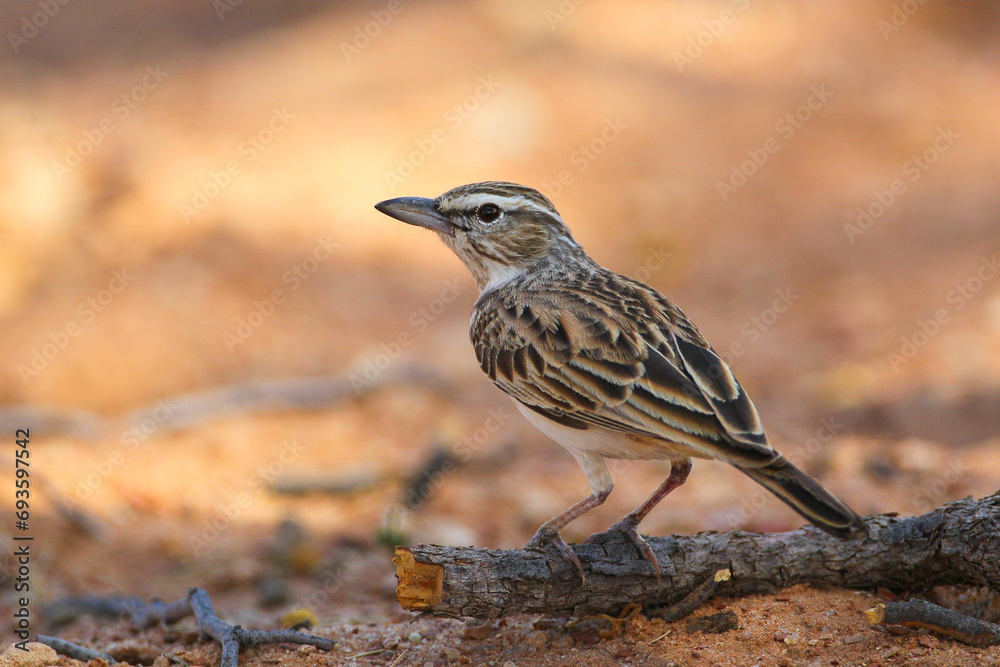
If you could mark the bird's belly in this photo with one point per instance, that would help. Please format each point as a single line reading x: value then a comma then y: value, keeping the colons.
x: 607, y: 443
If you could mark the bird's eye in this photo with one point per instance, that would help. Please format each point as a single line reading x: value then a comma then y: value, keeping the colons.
x: 488, y: 212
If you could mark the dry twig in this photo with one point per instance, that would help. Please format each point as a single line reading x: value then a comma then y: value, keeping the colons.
x: 75, y: 651
x: 954, y: 544
x: 231, y: 637
x: 947, y: 622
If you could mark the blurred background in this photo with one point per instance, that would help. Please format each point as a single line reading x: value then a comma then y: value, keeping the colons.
x: 200, y: 307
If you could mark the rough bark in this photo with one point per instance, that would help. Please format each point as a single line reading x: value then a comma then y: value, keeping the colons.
x: 958, y: 543
x: 921, y: 614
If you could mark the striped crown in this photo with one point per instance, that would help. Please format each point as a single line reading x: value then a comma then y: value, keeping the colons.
x: 527, y: 234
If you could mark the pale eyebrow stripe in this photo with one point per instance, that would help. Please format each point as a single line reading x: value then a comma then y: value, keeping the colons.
x: 517, y: 202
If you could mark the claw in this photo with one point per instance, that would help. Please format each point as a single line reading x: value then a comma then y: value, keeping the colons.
x: 644, y: 549
x: 546, y: 538
x: 627, y: 529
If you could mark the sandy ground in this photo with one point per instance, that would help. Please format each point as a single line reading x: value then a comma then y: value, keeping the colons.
x: 186, y: 205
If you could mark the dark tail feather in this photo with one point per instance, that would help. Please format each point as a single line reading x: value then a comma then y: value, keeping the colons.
x: 804, y: 495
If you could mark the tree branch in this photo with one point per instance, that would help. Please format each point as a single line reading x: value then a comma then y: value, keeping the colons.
x: 954, y: 544
x: 75, y: 651
x: 923, y: 614
x: 196, y: 602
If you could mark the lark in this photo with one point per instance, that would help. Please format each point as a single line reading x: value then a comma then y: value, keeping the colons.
x: 604, y: 365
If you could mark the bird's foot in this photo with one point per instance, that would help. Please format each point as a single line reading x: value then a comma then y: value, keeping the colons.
x: 628, y: 529
x: 548, y: 538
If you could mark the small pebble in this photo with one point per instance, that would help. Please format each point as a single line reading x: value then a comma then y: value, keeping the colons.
x: 414, y: 637
x: 854, y: 639
x: 746, y: 634
x: 782, y: 635
x: 538, y: 638
x: 510, y: 663
x: 37, y: 655
x: 190, y: 637
x: 891, y: 652
x: 792, y: 638
x: 589, y: 636
x: 478, y: 631
x: 452, y: 653
x: 928, y: 641
x: 813, y: 642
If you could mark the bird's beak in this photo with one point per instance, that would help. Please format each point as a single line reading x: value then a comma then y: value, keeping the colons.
x: 417, y: 211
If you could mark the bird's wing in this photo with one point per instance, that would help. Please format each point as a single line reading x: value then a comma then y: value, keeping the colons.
x: 635, y: 365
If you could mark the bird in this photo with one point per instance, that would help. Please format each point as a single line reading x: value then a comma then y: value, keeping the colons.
x: 602, y: 364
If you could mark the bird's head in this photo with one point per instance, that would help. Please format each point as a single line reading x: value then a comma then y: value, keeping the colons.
x: 500, y: 231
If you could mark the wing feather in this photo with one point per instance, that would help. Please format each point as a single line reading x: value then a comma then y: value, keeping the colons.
x: 610, y: 352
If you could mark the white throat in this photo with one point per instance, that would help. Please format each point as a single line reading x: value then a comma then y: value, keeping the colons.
x: 501, y: 274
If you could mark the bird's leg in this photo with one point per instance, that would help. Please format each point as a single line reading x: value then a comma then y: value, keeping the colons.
x: 679, y: 471
x: 548, y: 533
